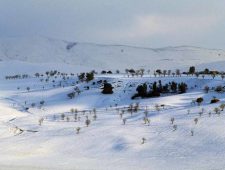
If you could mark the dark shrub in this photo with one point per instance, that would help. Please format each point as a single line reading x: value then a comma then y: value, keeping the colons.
x: 199, y: 100
x: 219, y: 89
x: 71, y: 95
x: 214, y: 100
x: 107, y: 88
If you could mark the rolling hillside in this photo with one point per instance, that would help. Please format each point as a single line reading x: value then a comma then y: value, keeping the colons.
x: 97, y: 56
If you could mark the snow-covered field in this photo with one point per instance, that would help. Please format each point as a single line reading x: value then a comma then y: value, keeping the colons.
x: 99, y: 56
x: 106, y: 143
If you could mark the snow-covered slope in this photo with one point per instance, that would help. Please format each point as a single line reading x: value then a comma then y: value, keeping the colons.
x: 96, y: 56
x: 107, y: 144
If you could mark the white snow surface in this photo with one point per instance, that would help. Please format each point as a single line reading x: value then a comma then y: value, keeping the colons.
x: 98, y: 56
x: 106, y: 144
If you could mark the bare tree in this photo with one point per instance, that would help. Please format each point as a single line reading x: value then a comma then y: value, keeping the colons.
x: 78, y: 130
x: 188, y: 111
x: 210, y: 113
x: 174, y: 127
x: 87, y: 122
x: 62, y: 116
x: 95, y: 116
x: 196, y: 120
x: 164, y: 73
x: 206, y: 89
x: 222, y: 106
x: 40, y: 121
x: 172, y: 120
x: 124, y: 121
x: 178, y: 72
x: 192, y: 132
x: 217, y: 110
x: 146, y: 121
x: 143, y: 140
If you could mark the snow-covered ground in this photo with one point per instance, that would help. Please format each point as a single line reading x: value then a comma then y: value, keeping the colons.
x: 97, y: 56
x: 106, y: 143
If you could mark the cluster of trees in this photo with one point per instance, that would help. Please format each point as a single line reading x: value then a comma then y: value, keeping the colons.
x: 106, y: 72
x: 27, y: 106
x: 192, y: 71
x: 160, y: 72
x: 205, y: 71
x: 18, y: 76
x: 86, y: 76
x: 157, y: 72
x: 52, y: 73
x: 218, y: 89
x: 133, y: 72
x: 157, y: 88
x: 87, y: 116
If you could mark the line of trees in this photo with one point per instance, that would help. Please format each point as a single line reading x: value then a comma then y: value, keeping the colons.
x: 145, y: 91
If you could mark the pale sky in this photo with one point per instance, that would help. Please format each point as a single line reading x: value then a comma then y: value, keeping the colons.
x: 149, y: 23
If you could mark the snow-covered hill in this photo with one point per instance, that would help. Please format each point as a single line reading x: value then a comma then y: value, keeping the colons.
x: 107, y: 143
x: 97, y: 56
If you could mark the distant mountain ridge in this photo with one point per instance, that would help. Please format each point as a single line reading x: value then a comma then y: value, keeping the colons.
x: 48, y: 50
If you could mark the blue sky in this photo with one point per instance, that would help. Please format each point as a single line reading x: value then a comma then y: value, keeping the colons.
x: 150, y: 23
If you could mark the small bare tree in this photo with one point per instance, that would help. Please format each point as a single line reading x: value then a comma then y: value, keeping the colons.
x: 203, y: 110
x: 143, y: 140
x: 210, y: 113
x: 222, y: 106
x: 78, y: 118
x: 75, y: 110
x: 174, y: 127
x: 121, y: 115
x: 157, y: 107
x: 188, y: 111
x: 193, y: 102
x: 217, y: 110
x: 28, y: 89
x: 72, y: 110
x: 67, y: 119
x: 196, y: 120
x: 192, y: 132
x: 206, y: 89
x: 87, y: 122
x: 94, y: 116
x: 172, y: 120
x: 124, y: 121
x: 94, y: 111
x: 146, y: 121
x: 75, y: 116
x: 146, y: 113
x: 78, y: 130
x: 62, y: 116
x: 40, y: 121
x: 136, y: 107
